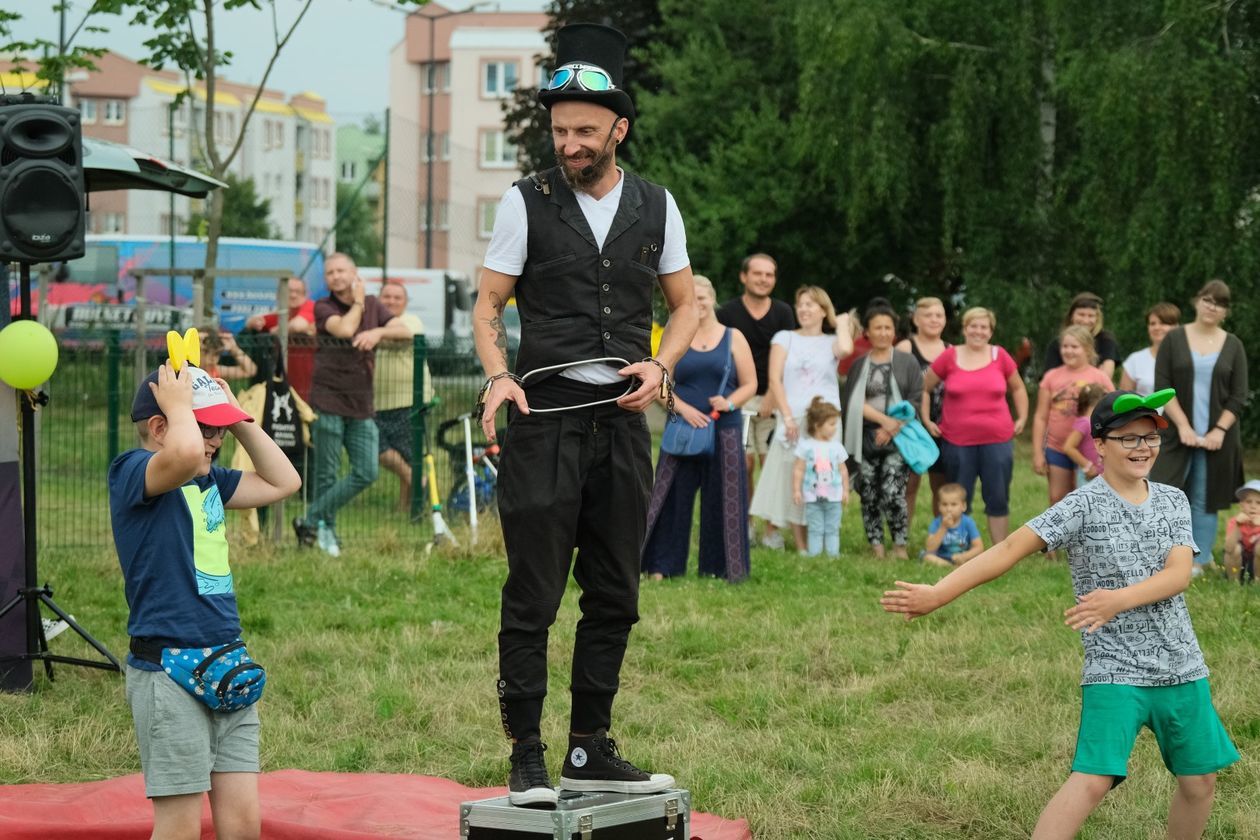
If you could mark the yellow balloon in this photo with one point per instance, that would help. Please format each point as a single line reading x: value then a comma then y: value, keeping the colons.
x: 28, y: 355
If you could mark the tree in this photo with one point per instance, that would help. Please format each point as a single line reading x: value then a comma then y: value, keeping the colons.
x: 529, y: 124
x: 56, y: 59
x: 244, y: 213
x: 357, y: 233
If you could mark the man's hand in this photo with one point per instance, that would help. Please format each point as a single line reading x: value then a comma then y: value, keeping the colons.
x: 1094, y: 609
x: 650, y: 375
x: 368, y: 339
x: 357, y: 291
x: 913, y: 599
x: 501, y: 390
x: 172, y: 392
x: 255, y: 323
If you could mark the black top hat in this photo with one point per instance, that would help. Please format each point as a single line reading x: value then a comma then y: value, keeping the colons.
x: 596, y: 46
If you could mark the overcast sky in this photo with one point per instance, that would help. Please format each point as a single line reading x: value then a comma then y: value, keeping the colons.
x: 340, y: 50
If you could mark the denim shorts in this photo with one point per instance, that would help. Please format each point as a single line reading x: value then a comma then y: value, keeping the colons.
x: 992, y: 463
x: 1055, y: 458
x: 182, y: 741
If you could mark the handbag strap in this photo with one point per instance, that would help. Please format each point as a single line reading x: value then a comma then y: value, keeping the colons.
x: 726, y: 371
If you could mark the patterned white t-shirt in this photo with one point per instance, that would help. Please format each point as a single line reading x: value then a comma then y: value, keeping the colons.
x: 1112, y: 544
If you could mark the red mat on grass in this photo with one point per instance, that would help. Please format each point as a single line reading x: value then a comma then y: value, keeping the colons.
x: 296, y: 805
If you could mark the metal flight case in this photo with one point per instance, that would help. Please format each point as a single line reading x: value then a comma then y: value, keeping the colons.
x: 581, y: 816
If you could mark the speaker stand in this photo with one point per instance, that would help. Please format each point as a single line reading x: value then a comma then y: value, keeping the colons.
x: 31, y: 595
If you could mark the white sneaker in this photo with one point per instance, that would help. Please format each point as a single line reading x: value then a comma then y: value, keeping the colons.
x: 773, y: 540
x: 1196, y: 570
x: 54, y: 627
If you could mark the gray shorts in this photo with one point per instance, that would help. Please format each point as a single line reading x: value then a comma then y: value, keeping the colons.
x: 182, y: 741
x: 759, y: 429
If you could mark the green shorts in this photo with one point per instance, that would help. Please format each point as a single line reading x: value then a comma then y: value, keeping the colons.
x: 182, y: 741
x: 1191, y: 738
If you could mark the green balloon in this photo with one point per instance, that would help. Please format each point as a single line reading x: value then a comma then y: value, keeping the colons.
x: 28, y: 355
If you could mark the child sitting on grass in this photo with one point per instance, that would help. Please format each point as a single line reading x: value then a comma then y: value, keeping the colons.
x: 1242, y: 534
x: 1130, y: 548
x: 820, y: 478
x: 1079, y: 445
x: 953, y: 537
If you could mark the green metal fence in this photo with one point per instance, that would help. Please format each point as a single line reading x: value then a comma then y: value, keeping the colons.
x: 86, y: 423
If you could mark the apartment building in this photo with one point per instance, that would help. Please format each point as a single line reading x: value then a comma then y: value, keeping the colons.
x: 460, y: 65
x: 287, y: 151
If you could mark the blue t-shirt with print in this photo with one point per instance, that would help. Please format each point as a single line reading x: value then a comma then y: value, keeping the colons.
x: 956, y: 539
x: 174, y: 556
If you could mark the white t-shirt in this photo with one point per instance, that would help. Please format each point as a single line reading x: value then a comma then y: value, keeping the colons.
x: 510, y: 240
x: 808, y: 371
x: 1140, y: 365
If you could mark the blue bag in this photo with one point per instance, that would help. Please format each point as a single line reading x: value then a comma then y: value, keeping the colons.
x: 684, y: 440
x: 913, y: 441
x: 225, y: 678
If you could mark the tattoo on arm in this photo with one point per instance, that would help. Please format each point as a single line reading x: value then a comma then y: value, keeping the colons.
x: 496, y: 325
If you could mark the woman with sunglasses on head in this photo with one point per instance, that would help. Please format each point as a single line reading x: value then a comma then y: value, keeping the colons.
x: 1086, y: 310
x: 1202, y: 450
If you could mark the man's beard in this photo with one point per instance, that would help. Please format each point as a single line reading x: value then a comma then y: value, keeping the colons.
x: 588, y: 176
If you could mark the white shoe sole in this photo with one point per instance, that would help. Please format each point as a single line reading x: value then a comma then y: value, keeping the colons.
x: 533, y: 798
x: 656, y: 784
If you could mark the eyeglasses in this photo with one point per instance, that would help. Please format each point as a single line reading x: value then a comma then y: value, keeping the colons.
x: 585, y: 76
x: 1134, y: 441
x: 212, y: 432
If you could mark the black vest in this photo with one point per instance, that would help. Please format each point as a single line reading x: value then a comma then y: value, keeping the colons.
x: 577, y: 302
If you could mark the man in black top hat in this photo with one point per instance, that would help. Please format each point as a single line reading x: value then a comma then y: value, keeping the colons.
x: 582, y: 247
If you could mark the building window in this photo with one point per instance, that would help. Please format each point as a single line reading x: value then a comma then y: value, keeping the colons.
x: 487, y: 208
x: 498, y: 78
x: 87, y: 110
x: 444, y: 145
x: 115, y: 112
x: 496, y: 151
x: 112, y: 223
x: 349, y: 170
x: 441, y: 216
x: 437, y: 77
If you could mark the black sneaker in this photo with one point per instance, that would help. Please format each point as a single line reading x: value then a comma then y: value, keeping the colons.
x: 529, y: 785
x: 305, y: 533
x: 593, y: 764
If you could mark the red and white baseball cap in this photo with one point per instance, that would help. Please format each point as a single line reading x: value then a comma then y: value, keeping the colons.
x: 210, y: 404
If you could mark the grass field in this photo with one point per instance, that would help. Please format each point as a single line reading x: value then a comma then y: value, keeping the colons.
x: 792, y: 700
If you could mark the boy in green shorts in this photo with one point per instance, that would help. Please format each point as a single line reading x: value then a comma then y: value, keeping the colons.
x: 1130, y: 549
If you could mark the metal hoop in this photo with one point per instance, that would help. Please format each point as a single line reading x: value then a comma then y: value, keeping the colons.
x: 624, y: 363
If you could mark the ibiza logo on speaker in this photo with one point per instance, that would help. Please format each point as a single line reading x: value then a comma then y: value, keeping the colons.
x: 42, y: 186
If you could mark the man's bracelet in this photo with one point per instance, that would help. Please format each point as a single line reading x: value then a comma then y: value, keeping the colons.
x: 667, y: 383
x: 485, y: 390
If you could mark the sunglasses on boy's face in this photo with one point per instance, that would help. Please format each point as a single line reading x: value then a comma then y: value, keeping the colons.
x: 212, y: 432
x: 584, y: 76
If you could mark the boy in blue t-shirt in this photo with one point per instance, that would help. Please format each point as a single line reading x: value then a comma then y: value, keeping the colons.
x: 1130, y: 547
x: 167, y: 502
x: 953, y: 537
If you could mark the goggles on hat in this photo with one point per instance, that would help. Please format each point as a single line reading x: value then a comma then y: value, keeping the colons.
x: 583, y: 76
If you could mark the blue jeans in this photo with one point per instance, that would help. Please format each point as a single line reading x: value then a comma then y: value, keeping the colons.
x: 1202, y: 523
x: 822, y: 523
x: 360, y: 439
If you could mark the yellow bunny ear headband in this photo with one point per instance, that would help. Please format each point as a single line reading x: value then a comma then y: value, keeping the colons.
x: 185, y: 348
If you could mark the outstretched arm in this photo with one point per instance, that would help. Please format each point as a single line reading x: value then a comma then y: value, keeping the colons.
x: 916, y: 599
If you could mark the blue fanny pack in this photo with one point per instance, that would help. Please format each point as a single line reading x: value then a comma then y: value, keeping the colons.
x: 224, y: 678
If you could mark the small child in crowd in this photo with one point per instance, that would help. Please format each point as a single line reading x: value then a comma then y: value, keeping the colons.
x: 1130, y: 547
x: 167, y: 499
x: 1242, y: 534
x: 1079, y: 445
x: 820, y: 479
x: 953, y: 537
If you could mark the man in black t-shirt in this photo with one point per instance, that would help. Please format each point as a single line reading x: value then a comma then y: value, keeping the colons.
x: 759, y: 316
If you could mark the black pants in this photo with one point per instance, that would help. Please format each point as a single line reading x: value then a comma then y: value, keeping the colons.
x: 579, y: 478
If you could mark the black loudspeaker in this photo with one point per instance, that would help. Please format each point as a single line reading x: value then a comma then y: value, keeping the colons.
x: 42, y: 209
